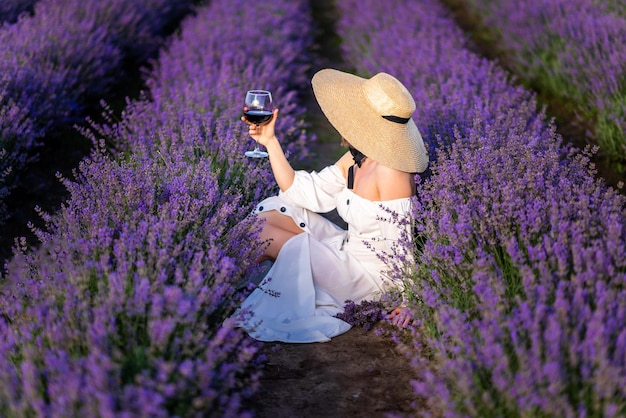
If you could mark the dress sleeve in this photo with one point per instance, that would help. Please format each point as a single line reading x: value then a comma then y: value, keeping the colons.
x: 315, y: 191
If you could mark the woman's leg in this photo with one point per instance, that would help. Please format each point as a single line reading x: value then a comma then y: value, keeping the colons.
x: 277, y: 229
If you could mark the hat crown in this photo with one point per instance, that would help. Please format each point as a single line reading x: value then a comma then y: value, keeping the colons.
x: 388, y: 96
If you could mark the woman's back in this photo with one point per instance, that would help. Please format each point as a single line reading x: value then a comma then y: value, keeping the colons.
x: 376, y: 182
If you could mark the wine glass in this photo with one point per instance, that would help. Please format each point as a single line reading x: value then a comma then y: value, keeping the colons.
x: 257, y: 109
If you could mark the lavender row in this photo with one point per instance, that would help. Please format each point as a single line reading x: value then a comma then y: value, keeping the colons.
x: 19, y: 134
x: 11, y: 10
x: 58, y: 63
x: 519, y: 286
x: 574, y: 51
x: 123, y: 310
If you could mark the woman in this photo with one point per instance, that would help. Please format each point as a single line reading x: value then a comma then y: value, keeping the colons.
x: 317, y: 265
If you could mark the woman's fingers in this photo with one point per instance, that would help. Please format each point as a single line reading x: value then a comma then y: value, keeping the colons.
x: 255, y: 130
x: 400, y: 317
x: 262, y: 133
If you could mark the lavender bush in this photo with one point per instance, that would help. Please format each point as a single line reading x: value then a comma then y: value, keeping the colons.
x: 198, y: 85
x: 523, y: 271
x: 574, y: 51
x: 19, y: 135
x: 614, y: 6
x: 57, y: 63
x: 122, y: 310
x: 519, y: 287
x: 10, y: 10
x: 71, y: 51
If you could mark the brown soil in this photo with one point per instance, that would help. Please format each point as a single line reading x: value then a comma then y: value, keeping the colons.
x: 357, y: 374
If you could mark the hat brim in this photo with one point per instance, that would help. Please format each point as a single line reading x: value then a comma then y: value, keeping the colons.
x: 341, y: 96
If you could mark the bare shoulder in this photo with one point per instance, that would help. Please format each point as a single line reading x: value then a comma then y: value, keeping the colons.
x: 394, y: 184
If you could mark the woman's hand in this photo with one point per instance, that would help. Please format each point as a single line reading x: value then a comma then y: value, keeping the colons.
x: 263, y: 134
x: 400, y: 317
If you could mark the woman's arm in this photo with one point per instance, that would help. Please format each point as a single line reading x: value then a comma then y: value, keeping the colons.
x: 265, y: 135
x: 344, y: 163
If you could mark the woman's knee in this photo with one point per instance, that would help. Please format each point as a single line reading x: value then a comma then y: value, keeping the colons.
x: 276, y: 219
x: 274, y: 238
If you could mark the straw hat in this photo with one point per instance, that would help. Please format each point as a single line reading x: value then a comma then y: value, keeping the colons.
x: 374, y: 116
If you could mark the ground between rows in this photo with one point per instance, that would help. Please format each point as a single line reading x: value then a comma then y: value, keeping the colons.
x: 357, y: 374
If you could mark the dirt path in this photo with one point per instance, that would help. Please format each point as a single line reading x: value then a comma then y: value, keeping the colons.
x: 359, y: 373
x: 327, y: 54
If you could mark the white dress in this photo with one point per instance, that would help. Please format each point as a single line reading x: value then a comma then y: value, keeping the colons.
x: 317, y: 271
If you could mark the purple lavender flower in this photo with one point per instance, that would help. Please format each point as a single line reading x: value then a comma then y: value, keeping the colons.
x: 364, y: 315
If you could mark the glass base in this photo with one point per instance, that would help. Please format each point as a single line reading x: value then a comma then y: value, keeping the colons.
x: 256, y: 154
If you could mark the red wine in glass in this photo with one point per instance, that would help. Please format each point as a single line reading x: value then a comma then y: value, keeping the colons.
x: 257, y: 109
x: 258, y: 117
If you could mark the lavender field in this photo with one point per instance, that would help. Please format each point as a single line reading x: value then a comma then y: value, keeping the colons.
x: 58, y: 61
x: 573, y: 53
x: 121, y: 307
